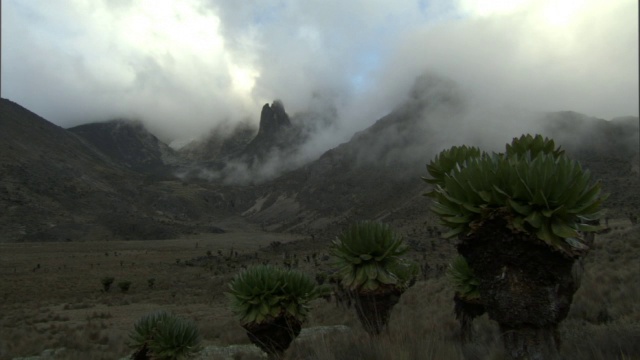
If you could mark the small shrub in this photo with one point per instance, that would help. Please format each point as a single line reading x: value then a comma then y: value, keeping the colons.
x: 124, y: 286
x: 321, y: 277
x: 106, y: 282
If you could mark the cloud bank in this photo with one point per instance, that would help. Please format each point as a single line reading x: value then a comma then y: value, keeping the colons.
x: 184, y: 67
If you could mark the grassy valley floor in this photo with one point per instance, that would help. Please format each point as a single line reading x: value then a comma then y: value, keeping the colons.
x: 51, y: 297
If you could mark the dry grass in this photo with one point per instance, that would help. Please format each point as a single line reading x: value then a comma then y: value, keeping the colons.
x: 51, y: 297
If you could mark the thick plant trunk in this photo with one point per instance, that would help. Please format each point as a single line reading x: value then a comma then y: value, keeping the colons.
x: 274, y: 337
x: 525, y: 285
x: 530, y: 343
x: 374, y: 309
x: 466, y: 311
x: 142, y: 354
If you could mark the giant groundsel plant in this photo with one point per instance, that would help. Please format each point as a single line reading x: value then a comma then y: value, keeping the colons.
x: 519, y: 218
x: 271, y: 304
x: 162, y: 335
x: 368, y: 258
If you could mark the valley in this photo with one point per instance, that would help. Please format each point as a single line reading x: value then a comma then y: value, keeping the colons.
x: 112, y: 200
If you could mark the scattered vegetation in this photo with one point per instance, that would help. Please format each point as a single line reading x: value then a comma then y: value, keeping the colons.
x: 124, y: 286
x: 422, y: 325
x: 106, y: 283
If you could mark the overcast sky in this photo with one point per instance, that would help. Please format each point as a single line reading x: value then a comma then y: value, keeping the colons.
x: 184, y: 66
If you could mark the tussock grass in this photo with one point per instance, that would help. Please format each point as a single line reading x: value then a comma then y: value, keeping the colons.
x: 61, y: 305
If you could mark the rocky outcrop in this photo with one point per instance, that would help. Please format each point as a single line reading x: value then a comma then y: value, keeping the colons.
x: 272, y: 119
x: 275, y: 131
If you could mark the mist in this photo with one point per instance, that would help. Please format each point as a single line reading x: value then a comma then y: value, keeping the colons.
x: 434, y: 114
x: 185, y: 68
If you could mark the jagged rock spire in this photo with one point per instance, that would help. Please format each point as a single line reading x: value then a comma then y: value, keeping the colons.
x: 272, y: 119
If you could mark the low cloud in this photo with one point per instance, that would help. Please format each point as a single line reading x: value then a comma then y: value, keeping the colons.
x: 186, y: 67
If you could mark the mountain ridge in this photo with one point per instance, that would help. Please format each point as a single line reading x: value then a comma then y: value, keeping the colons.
x: 85, y: 183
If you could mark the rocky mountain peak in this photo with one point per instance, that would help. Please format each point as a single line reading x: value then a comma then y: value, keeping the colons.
x: 275, y: 131
x: 273, y: 118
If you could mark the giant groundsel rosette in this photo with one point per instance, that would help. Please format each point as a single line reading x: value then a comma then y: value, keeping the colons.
x: 463, y: 279
x: 367, y: 257
x: 533, y: 186
x: 262, y: 293
x: 162, y: 335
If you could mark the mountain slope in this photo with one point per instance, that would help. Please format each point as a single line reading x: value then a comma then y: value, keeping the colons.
x: 93, y: 182
x: 49, y: 177
x: 373, y: 176
x: 54, y: 188
x: 609, y: 149
x: 377, y: 174
x: 218, y: 144
x: 128, y: 143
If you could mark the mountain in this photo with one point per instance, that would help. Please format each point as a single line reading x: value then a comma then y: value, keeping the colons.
x: 56, y: 186
x: 374, y: 175
x: 609, y: 149
x: 276, y: 148
x: 377, y: 174
x: 218, y: 144
x: 128, y: 143
x: 46, y: 172
x: 114, y: 180
x: 274, y: 130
